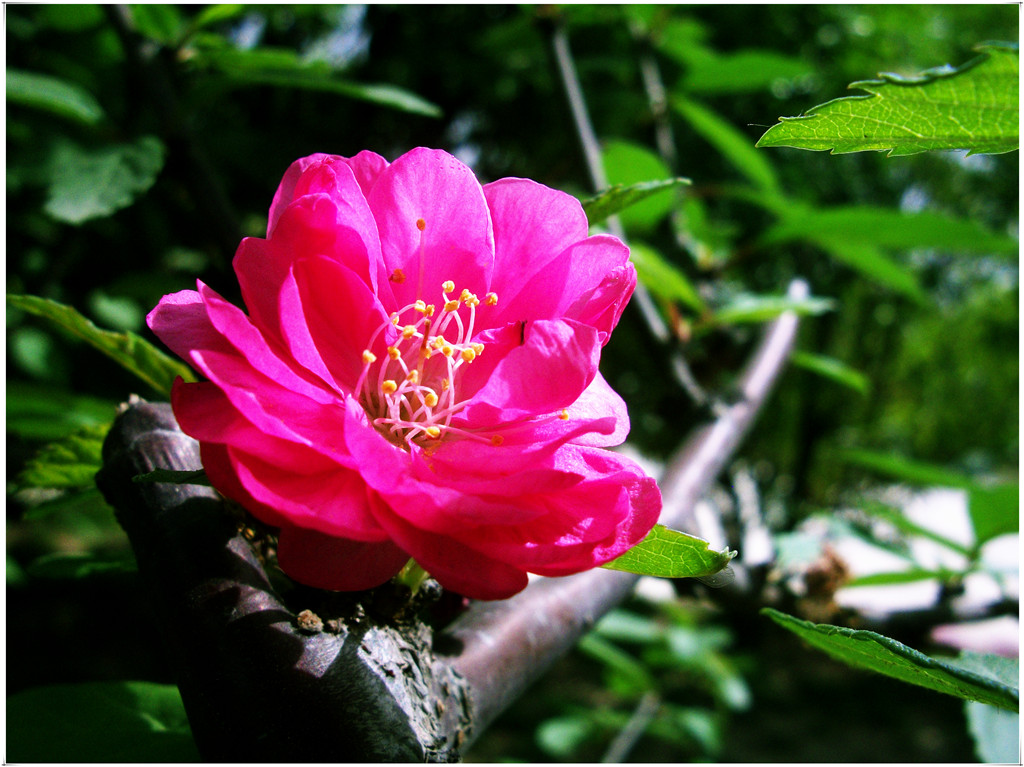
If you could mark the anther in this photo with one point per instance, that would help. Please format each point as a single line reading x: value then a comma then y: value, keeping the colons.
x: 414, y: 377
x: 369, y: 357
x: 491, y: 299
x: 447, y: 286
x: 478, y: 348
x: 430, y: 399
x: 397, y: 276
x: 408, y: 331
x: 389, y: 387
x: 497, y: 439
x: 451, y: 306
x: 394, y: 353
x: 447, y: 351
x: 421, y: 224
x: 468, y: 355
x: 564, y: 415
x: 420, y: 306
x: 464, y: 294
x: 433, y: 431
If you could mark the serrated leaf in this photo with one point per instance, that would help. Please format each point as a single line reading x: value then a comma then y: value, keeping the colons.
x: 617, y: 198
x: 197, y: 477
x: 71, y: 462
x: 79, y: 566
x: 92, y: 183
x: 731, y: 143
x: 868, y: 650
x: 663, y: 278
x: 666, y: 553
x: 133, y: 353
x: 99, y: 722
x: 283, y: 68
x: 973, y: 107
x: 53, y: 95
x: 751, y: 308
x: 832, y: 369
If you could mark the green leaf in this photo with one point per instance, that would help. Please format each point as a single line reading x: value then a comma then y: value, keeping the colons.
x: 613, y: 657
x: 974, y: 107
x: 93, y: 183
x: 663, y: 278
x: 751, y: 308
x: 873, y: 264
x: 214, y: 14
x: 79, y: 566
x: 160, y: 22
x: 53, y: 95
x: 898, y: 577
x: 71, y: 462
x: 899, y: 520
x: 889, y: 228
x: 994, y: 510
x: 746, y: 70
x: 81, y: 503
x: 666, y: 553
x: 283, y: 68
x: 627, y: 164
x: 99, y: 722
x: 996, y: 732
x: 914, y: 472
x: 868, y: 650
x: 617, y: 198
x: 732, y: 144
x: 197, y: 477
x: 133, y: 353
x: 45, y: 413
x: 832, y: 369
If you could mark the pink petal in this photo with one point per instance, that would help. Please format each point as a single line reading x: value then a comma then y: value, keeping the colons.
x: 602, y: 306
x: 559, y: 287
x: 340, y: 315
x: 286, y: 189
x: 366, y: 167
x: 600, y: 401
x: 456, y: 243
x: 325, y: 562
x: 454, y: 565
x: 532, y: 225
x: 552, y: 368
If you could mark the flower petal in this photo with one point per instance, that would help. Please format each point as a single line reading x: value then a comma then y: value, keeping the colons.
x: 456, y: 243
x: 326, y: 562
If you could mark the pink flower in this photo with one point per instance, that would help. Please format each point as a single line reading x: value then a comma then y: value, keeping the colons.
x: 417, y: 377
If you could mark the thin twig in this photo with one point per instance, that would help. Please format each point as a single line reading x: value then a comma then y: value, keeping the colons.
x: 635, y: 728
x: 592, y: 153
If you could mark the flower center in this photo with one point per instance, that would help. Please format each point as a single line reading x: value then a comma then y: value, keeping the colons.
x: 412, y: 393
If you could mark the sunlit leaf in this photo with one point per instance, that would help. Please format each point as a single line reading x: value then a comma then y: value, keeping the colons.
x: 214, y: 14
x: 833, y: 369
x: 285, y: 69
x: 752, y: 308
x: 53, y: 95
x: 92, y: 183
x: 898, y: 467
x: 626, y: 164
x: 868, y: 650
x: 734, y: 145
x: 70, y: 462
x: 874, y: 264
x: 668, y: 553
x: 160, y: 22
x: 46, y: 413
x: 99, y: 722
x: 897, y: 577
x: 663, y: 278
x: 974, y: 107
x: 744, y: 71
x: 617, y: 198
x: 133, y: 353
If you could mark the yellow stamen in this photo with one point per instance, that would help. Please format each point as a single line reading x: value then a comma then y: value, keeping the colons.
x: 491, y: 299
x: 447, y: 351
x: 389, y: 387
x: 564, y: 415
x: 430, y: 399
x: 433, y: 432
x: 408, y: 331
x: 472, y: 300
x: 369, y: 357
x: 446, y: 384
x: 414, y: 376
x: 478, y: 348
x: 421, y: 224
x: 447, y: 286
x: 420, y: 306
x: 451, y: 306
x: 468, y: 355
x: 393, y: 352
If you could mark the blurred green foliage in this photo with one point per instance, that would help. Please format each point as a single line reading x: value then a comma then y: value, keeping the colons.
x: 144, y: 141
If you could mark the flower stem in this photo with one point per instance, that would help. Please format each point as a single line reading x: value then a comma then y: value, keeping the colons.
x: 412, y: 575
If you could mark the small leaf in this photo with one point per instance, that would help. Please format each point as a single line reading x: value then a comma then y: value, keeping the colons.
x: 994, y: 510
x: 130, y: 351
x: 873, y: 264
x: 899, y: 520
x: 160, y: 22
x: 974, y: 107
x: 93, y: 183
x: 746, y: 70
x: 914, y: 472
x: 731, y: 143
x: 197, y: 477
x: 99, y: 722
x: 868, y: 650
x: 79, y: 566
x: 832, y: 369
x: 84, y: 502
x: 666, y: 553
x: 617, y: 198
x: 214, y: 14
x: 45, y: 413
x: 627, y: 163
x: 751, y: 308
x: 663, y: 278
x: 898, y: 577
x: 282, y: 67
x: 53, y: 95
x: 71, y: 462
